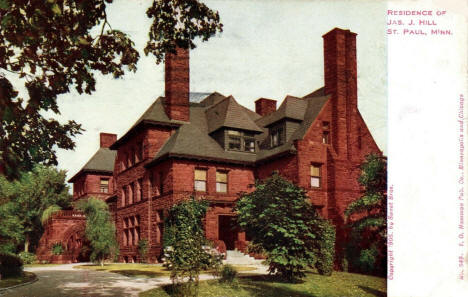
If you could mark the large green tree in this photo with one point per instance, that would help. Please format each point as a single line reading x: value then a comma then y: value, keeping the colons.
x: 367, y: 219
x: 280, y: 218
x: 26, y: 199
x: 54, y: 46
x: 100, y: 229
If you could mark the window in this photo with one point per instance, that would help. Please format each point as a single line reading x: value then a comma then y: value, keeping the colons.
x: 240, y: 141
x: 315, y: 176
x: 160, y: 225
x: 104, y: 186
x: 200, y: 180
x: 139, y: 152
x: 132, y: 157
x: 277, y: 136
x: 123, y: 196
x: 326, y: 132
x: 161, y: 183
x: 325, y: 137
x: 221, y: 182
x: 140, y: 189
x: 131, y: 228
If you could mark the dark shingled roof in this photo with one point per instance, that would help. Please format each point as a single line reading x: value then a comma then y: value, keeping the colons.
x: 228, y: 113
x: 102, y: 161
x: 193, y: 140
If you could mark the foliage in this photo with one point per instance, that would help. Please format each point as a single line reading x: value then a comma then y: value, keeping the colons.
x: 26, y: 201
x: 143, y: 249
x: 186, y: 249
x: 27, y: 258
x: 100, y: 230
x: 228, y: 274
x: 325, y: 248
x: 48, y: 212
x: 55, y: 46
x: 367, y: 219
x: 10, y: 265
x: 51, y: 46
x: 57, y: 248
x: 177, y: 23
x: 279, y: 216
x: 253, y: 248
x: 339, y: 284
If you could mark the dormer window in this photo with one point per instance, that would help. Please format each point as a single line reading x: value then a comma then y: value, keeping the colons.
x: 104, y: 185
x: 277, y: 136
x: 240, y: 141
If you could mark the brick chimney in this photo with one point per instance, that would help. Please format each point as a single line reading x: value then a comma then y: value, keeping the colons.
x: 177, y: 88
x: 107, y: 139
x: 341, y: 83
x: 264, y: 106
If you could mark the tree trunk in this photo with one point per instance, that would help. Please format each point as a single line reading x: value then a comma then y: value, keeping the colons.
x: 26, y: 244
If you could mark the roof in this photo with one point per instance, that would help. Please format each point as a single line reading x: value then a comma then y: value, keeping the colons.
x: 228, y: 113
x: 102, y: 161
x: 193, y: 141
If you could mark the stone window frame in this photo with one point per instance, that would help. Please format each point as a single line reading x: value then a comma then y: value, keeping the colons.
x: 220, y: 172
x: 131, y: 230
x: 315, y: 176
x: 199, y: 179
x: 159, y: 226
x: 104, y: 188
x: 325, y: 132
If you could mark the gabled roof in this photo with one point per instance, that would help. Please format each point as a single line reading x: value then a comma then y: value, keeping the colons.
x: 228, y: 113
x: 101, y: 162
x: 292, y: 108
x: 192, y: 140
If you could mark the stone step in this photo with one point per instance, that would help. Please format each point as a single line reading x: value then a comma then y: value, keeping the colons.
x: 237, y: 257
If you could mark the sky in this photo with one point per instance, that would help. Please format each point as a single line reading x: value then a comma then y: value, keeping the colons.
x: 267, y: 49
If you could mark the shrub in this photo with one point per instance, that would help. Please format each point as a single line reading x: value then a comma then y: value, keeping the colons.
x: 367, y: 260
x: 279, y: 217
x: 57, y: 248
x: 325, y: 250
x: 27, y: 258
x: 143, y: 249
x: 10, y: 265
x: 228, y: 274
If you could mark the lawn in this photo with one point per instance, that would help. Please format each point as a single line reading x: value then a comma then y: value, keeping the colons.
x: 340, y: 284
x: 13, y: 281
x: 143, y: 270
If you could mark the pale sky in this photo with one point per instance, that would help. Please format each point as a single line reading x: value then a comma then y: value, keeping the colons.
x: 268, y: 49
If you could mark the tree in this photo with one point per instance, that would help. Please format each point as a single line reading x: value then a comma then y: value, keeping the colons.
x: 185, y: 246
x: 280, y: 218
x: 56, y: 45
x: 100, y: 230
x: 367, y: 219
x: 27, y: 199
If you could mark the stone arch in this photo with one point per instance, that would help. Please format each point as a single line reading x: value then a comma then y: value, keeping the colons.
x: 73, y: 240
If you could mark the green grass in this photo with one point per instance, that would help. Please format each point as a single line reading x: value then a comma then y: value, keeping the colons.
x: 340, y: 284
x: 13, y: 281
x: 142, y: 270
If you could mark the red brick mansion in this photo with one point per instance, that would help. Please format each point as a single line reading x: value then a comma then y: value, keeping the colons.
x: 209, y: 145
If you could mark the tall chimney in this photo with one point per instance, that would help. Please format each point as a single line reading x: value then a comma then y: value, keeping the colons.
x: 341, y: 83
x: 264, y: 106
x: 177, y: 88
x: 107, y: 139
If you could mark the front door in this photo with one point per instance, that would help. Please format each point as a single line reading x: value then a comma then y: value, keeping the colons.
x: 228, y: 231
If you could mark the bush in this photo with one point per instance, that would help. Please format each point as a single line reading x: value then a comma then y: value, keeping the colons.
x: 57, y: 248
x: 142, y: 249
x: 27, y: 258
x: 10, y: 265
x: 228, y: 274
x: 325, y: 250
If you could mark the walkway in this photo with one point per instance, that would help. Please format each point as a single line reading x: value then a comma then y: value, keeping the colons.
x: 63, y: 280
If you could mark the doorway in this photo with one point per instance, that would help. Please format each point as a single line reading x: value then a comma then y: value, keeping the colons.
x: 227, y: 230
